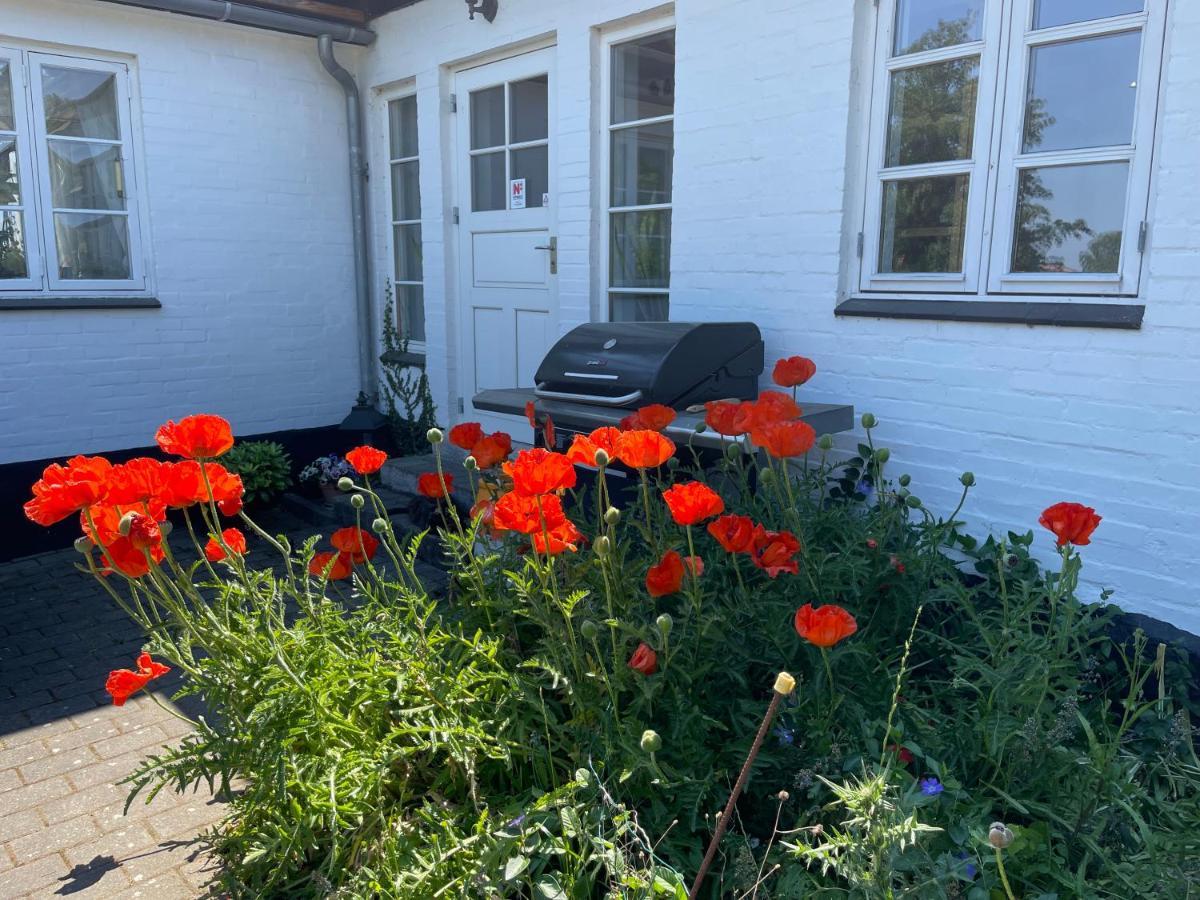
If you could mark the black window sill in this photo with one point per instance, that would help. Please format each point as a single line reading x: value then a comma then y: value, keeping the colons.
x: 68, y: 302
x: 403, y: 358
x: 1069, y: 315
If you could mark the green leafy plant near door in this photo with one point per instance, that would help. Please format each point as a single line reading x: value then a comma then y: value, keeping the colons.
x: 265, y: 468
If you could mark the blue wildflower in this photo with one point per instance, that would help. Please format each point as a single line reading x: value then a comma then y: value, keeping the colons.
x: 516, y: 823
x: 931, y: 787
x: 970, y: 869
x: 785, y: 736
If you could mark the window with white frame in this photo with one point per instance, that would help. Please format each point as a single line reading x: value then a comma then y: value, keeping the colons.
x: 1010, y: 146
x: 405, y: 174
x: 641, y: 113
x: 68, y: 211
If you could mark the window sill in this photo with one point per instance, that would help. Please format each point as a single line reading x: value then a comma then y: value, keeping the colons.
x: 1068, y: 315
x: 51, y: 301
x: 403, y: 358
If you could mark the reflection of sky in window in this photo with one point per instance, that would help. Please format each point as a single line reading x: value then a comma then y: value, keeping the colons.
x: 1094, y: 193
x: 917, y: 19
x: 1063, y: 12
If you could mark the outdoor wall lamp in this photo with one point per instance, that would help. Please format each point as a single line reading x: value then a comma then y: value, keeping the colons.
x: 486, y: 8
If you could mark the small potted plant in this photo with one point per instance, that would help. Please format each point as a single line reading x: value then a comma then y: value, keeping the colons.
x: 322, y: 475
x: 266, y: 470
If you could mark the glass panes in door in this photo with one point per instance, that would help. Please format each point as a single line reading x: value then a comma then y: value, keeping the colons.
x: 510, y: 143
x: 407, y: 263
x: 13, y: 261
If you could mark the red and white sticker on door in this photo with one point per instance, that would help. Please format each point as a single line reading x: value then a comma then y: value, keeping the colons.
x: 516, y: 193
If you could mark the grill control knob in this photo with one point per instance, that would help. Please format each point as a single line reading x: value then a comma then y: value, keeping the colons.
x: 610, y: 343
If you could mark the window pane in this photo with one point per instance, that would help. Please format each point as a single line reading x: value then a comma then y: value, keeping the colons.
x: 643, y: 78
x: 1069, y: 218
x: 927, y: 24
x: 406, y: 190
x: 411, y: 304
x: 86, y: 176
x: 10, y: 191
x: 12, y: 246
x: 487, y: 118
x: 488, y: 187
x: 638, y: 307
x: 1048, y: 13
x: 529, y: 110
x: 402, y: 127
x: 6, y: 107
x: 1082, y: 93
x: 533, y: 165
x: 80, y: 103
x: 931, y: 117
x: 924, y: 223
x: 641, y: 165
x: 641, y: 249
x: 407, y: 239
x: 92, y: 245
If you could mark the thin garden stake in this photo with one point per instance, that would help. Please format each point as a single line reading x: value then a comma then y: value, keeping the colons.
x: 784, y: 685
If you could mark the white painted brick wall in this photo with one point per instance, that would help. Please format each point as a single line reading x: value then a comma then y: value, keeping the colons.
x: 765, y: 90
x: 245, y: 156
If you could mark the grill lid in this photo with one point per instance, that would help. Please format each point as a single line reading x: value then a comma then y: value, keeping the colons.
x: 635, y: 363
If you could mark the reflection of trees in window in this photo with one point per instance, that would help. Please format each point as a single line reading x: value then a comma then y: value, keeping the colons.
x: 1103, y: 253
x: 932, y: 115
x: 12, y: 253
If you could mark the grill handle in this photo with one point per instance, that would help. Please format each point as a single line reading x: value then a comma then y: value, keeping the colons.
x: 592, y: 399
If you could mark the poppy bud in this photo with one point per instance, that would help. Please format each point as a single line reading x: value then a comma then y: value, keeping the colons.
x: 783, y: 796
x: 905, y: 480
x: 1000, y: 835
x: 470, y: 464
x: 601, y: 457
x: 126, y: 523
x: 345, y: 483
x: 651, y: 742
x: 733, y: 451
x: 664, y: 623
x: 583, y: 776
x: 767, y: 477
x: 588, y: 629
x: 913, y: 501
x: 967, y: 479
x: 784, y: 683
x: 882, y: 455
x: 701, y: 428
x: 673, y: 463
x: 825, y: 442
x: 358, y: 501
x: 612, y: 515
x: 434, y: 435
x: 379, y: 526
x: 84, y: 545
x: 603, y: 545
x: 869, y: 421
x: 165, y: 528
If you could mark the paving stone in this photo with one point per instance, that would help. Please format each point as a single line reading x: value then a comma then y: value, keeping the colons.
x: 167, y: 886
x: 190, y: 817
x: 108, y: 771
x: 8, y: 781
x: 17, y: 824
x: 81, y: 737
x: 36, y: 878
x: 31, y: 795
x: 120, y: 845
x: 149, y: 738
x: 96, y: 799
x: 98, y: 878
x: 49, y: 766
x: 53, y: 838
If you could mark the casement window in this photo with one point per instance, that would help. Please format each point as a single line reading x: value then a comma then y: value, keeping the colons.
x: 1010, y: 147
x: 69, y: 219
x: 405, y: 233
x: 640, y: 111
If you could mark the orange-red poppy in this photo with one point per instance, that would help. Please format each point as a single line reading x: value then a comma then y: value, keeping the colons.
x: 331, y: 564
x: 435, y: 486
x: 644, y: 660
x: 666, y: 576
x: 516, y: 513
x: 531, y: 414
x: 582, y: 451
x: 356, y: 543
x: 196, y: 437
x: 139, y: 480
x: 1071, y: 523
x: 825, y: 625
x: 654, y: 417
x: 129, y: 560
x: 466, y: 435
x: 774, y: 552
x: 485, y: 511
x: 548, y: 433
x: 63, y: 490
x: 144, y: 533
x: 564, y: 536
x: 692, y: 502
x: 734, y: 533
x: 643, y: 449
x: 538, y: 471
x: 784, y: 439
x: 606, y: 439
x: 793, y: 371
x: 771, y: 406
x: 694, y: 564
x: 232, y: 538
x: 183, y: 485
x: 124, y: 683
x: 492, y: 449
x: 725, y: 416
x: 366, y: 460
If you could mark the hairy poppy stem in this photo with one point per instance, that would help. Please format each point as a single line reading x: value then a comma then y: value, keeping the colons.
x: 784, y: 685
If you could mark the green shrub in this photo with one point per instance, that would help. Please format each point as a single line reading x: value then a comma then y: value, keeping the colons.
x: 265, y: 467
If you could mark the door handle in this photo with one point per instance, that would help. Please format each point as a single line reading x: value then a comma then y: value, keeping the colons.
x: 553, y: 248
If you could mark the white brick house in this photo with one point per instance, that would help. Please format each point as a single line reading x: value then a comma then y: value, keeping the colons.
x: 770, y: 134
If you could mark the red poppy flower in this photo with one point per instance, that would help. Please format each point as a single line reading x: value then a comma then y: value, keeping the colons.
x: 902, y: 753
x: 693, y: 502
x: 666, y: 576
x: 148, y: 665
x: 366, y: 460
x: 143, y: 532
x: 773, y: 552
x: 644, y: 449
x: 694, y: 564
x: 548, y: 433
x: 63, y: 490
x: 724, y: 416
x: 654, y: 417
x: 531, y: 414
x: 434, y: 486
x: 121, y: 554
x: 538, y: 471
x: 734, y: 533
x: 355, y: 543
x: 564, y: 536
x: 183, y: 485
x: 784, y: 439
x: 485, y: 511
x: 1071, y: 523
x: 894, y: 562
x: 333, y: 565
x: 644, y: 660
x: 196, y: 437
x: 628, y: 423
x: 793, y: 371
x: 466, y: 435
x: 771, y: 406
x: 492, y: 449
x: 516, y: 513
x: 123, y: 683
x: 824, y: 626
x: 234, y: 540
x: 584, y: 447
x: 139, y: 480
x: 606, y: 439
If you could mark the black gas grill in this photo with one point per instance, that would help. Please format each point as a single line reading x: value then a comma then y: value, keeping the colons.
x: 632, y: 364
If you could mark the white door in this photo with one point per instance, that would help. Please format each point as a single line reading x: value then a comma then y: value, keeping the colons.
x: 507, y: 249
